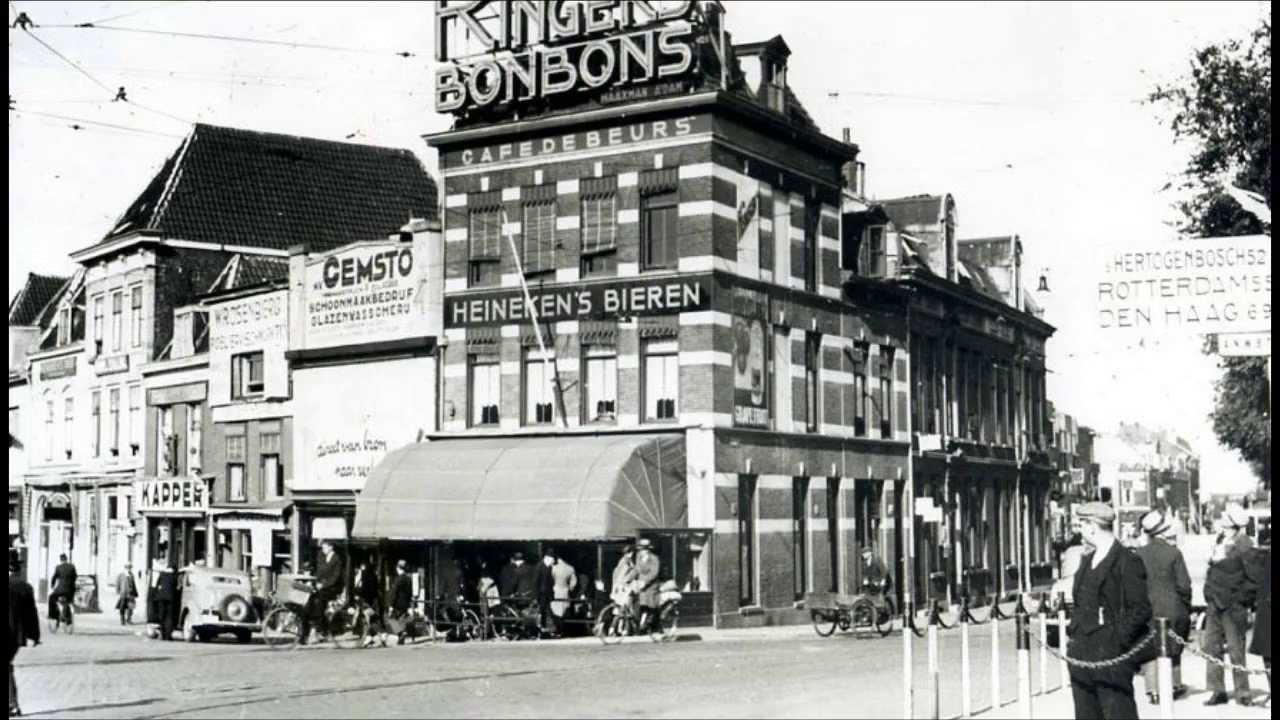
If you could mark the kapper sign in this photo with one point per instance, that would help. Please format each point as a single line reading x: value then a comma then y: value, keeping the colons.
x: 504, y: 52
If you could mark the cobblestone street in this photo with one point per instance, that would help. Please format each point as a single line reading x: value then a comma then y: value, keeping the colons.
x: 771, y: 672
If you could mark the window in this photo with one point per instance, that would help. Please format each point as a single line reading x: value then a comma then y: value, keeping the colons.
x: 659, y: 219
x: 96, y: 399
x: 167, y: 442
x: 601, y: 373
x: 800, y: 534
x: 886, y: 392
x: 236, y: 452
x: 746, y: 540
x: 599, y: 225
x: 194, y: 439
x: 272, y: 476
x: 135, y: 314
x: 538, y: 377
x: 246, y: 551
x: 246, y: 375
x: 860, y: 394
x: 48, y: 430
x: 539, y: 228
x: 114, y: 407
x: 113, y: 507
x: 661, y: 380
x: 99, y: 304
x: 812, y: 216
x: 833, y: 529
x: 64, y: 326
x: 812, y: 386
x: 871, y: 257
x: 485, y: 236
x: 135, y: 418
x: 117, y: 320
x: 486, y: 384
x: 68, y: 425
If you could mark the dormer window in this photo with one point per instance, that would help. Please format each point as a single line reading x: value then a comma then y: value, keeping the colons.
x: 871, y: 256
x: 64, y: 326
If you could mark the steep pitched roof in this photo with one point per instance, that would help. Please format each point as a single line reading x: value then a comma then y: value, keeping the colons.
x: 913, y: 211
x: 265, y: 190
x: 25, y: 307
x: 244, y: 271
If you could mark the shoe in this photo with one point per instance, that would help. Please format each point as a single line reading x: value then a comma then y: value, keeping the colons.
x: 1153, y: 698
x: 1245, y: 700
x: 1218, y: 698
x: 1179, y: 692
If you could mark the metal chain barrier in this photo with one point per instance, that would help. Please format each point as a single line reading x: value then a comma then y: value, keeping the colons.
x: 1121, y: 659
x: 1224, y: 664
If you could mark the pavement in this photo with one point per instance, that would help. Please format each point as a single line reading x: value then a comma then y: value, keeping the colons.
x: 107, y: 671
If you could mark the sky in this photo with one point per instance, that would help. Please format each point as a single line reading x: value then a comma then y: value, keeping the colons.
x: 1030, y: 114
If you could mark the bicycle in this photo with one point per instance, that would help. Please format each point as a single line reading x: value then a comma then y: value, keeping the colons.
x: 343, y: 624
x: 66, y: 617
x: 617, y: 619
x: 455, y: 620
x: 871, y: 609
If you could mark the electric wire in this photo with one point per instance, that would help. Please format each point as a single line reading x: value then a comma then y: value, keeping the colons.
x: 137, y: 12
x: 238, y: 39
x: 86, y: 121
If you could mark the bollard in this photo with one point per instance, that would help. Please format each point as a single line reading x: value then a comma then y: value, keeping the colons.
x: 935, y: 685
x: 995, y: 658
x: 1063, y: 673
x: 1164, y: 670
x: 1024, y: 663
x: 908, y: 709
x: 966, y: 692
x: 1044, y: 650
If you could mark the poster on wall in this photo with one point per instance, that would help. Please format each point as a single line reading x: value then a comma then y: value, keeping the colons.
x: 370, y: 292
x: 750, y: 338
x: 749, y: 212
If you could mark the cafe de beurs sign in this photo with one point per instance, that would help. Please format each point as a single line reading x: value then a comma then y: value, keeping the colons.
x: 504, y: 52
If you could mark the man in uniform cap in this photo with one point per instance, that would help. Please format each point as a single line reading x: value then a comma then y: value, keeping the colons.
x: 1169, y: 586
x: 1228, y: 592
x: 1111, y: 615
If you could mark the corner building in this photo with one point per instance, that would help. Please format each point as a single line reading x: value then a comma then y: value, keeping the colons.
x: 682, y: 254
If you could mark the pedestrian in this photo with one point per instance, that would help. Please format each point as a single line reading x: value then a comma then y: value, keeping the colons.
x: 648, y: 568
x: 546, y: 586
x: 126, y: 594
x: 167, y: 600
x: 1228, y: 593
x: 489, y: 593
x: 24, y: 626
x: 1111, y: 615
x: 63, y: 584
x: 623, y: 575
x: 1232, y: 530
x: 371, y: 597
x: 508, y: 575
x: 1261, y: 643
x: 329, y: 585
x: 401, y: 602
x: 1169, y: 586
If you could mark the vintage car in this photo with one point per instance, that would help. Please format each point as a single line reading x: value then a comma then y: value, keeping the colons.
x: 216, y: 601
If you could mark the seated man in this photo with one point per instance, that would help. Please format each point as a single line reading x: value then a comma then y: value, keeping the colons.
x: 874, y: 575
x: 328, y: 587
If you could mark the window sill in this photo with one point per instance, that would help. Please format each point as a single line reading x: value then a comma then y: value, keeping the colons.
x: 750, y: 610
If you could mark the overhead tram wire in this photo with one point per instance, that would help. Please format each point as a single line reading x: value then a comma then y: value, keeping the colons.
x: 138, y: 12
x: 86, y: 121
x: 238, y: 39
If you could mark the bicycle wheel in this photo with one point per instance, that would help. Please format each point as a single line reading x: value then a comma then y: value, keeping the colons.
x: 282, y: 629
x: 608, y: 625
x: 863, y: 615
x: 884, y: 619
x: 664, y: 626
x: 506, y: 623
x: 469, y: 626
x: 824, y: 623
x: 345, y: 629
x: 69, y: 620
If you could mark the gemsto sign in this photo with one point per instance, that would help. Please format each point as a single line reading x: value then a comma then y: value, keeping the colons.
x: 581, y: 302
x: 497, y: 52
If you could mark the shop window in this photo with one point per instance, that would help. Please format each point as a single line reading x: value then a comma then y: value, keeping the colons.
x: 68, y: 425
x: 659, y: 220
x: 886, y: 392
x: 600, y: 368
x: 96, y: 404
x: 48, y: 431
x: 135, y: 314
x: 599, y: 223
x: 661, y: 380
x: 246, y: 375
x: 746, y: 540
x: 486, y: 389
x: 812, y: 386
x: 539, y: 229
x: 485, y: 238
x: 99, y: 319
x: 135, y: 418
x: 117, y: 320
x: 812, y: 217
x: 860, y: 394
x: 113, y: 400
x: 539, y: 374
x: 833, y: 530
x: 800, y: 534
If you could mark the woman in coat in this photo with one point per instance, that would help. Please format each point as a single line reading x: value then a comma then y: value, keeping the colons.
x: 1169, y: 586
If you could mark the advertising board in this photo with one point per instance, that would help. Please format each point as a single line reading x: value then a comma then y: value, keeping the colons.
x: 172, y: 494
x: 365, y: 292
x: 750, y: 348
x: 611, y: 300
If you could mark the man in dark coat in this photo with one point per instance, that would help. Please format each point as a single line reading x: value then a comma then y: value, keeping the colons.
x: 167, y: 600
x: 546, y: 588
x: 24, y: 626
x: 1111, y: 616
x: 1169, y: 585
x: 329, y: 585
x: 1261, y: 643
x: 1228, y: 594
x: 401, y: 601
x: 63, y: 585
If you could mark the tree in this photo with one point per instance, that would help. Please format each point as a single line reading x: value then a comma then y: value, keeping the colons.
x: 1224, y: 109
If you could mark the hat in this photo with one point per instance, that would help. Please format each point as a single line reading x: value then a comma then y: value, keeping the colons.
x: 402, y: 563
x: 1153, y: 523
x: 1097, y: 512
x: 644, y: 543
x: 1235, y: 516
x: 548, y: 552
x: 517, y: 555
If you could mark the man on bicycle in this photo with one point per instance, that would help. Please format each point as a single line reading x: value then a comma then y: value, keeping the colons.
x: 328, y: 586
x: 63, y: 587
x: 874, y: 574
x: 645, y: 584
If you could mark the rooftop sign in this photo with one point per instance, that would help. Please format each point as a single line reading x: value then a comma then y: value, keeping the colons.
x: 503, y: 52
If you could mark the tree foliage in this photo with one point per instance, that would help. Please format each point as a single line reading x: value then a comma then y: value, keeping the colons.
x: 1223, y: 109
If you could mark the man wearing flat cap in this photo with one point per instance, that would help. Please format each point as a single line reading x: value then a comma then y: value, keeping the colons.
x: 1169, y: 586
x: 1229, y: 591
x: 1112, y: 613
